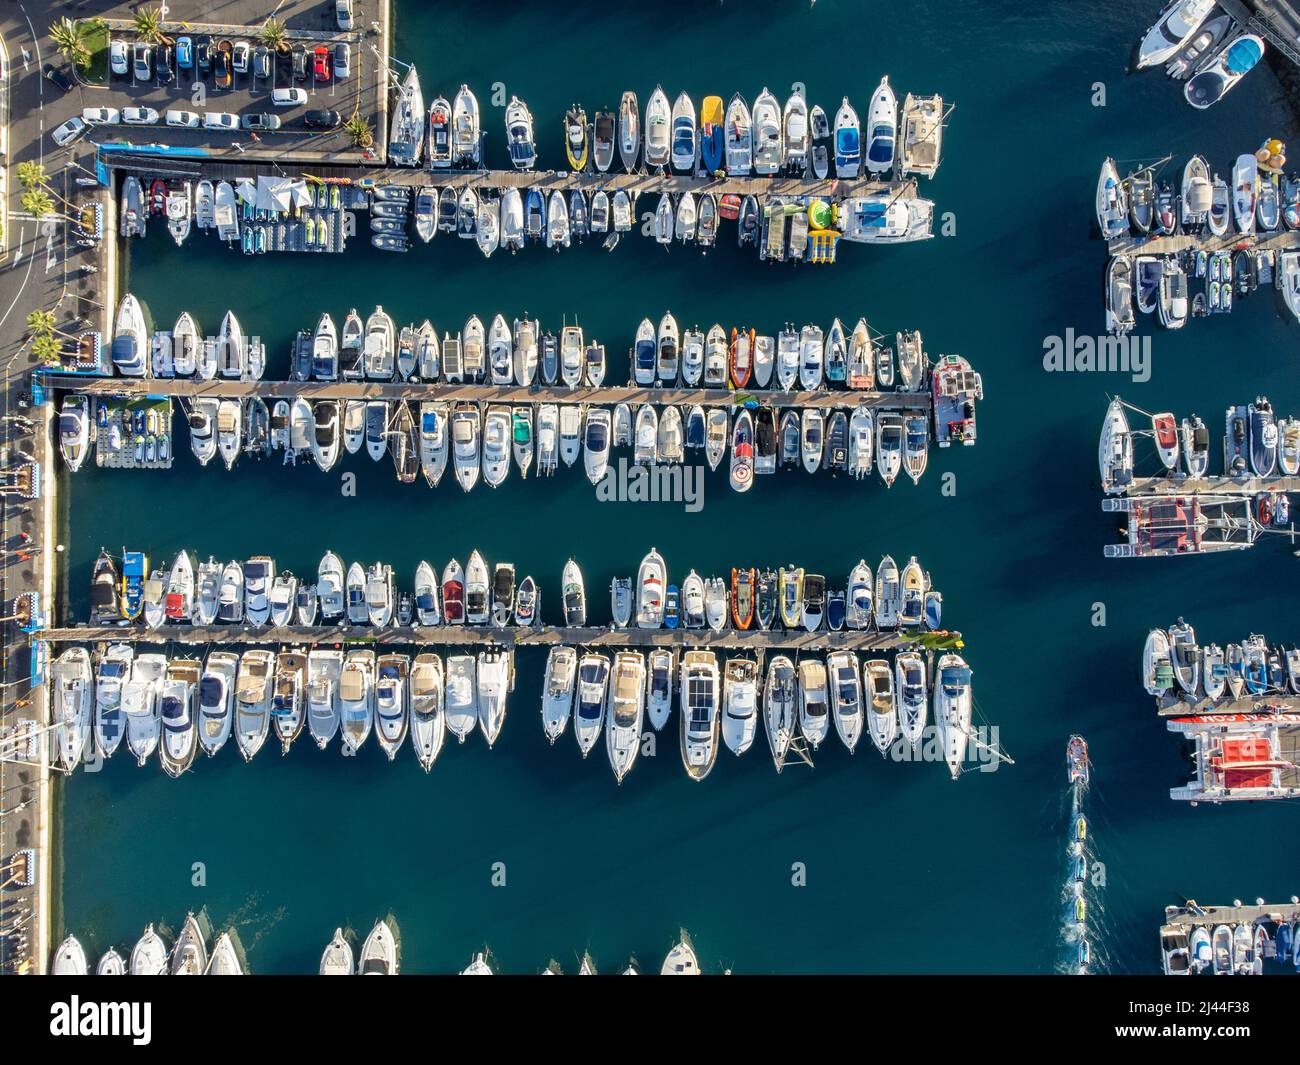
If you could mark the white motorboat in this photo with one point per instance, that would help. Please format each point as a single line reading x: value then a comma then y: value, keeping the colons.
x: 627, y: 694
x: 178, y: 710
x: 324, y: 675
x: 596, y: 443
x: 845, y: 683
x: 392, y: 673
x: 140, y: 705
x: 379, y: 951
x: 767, y: 134
x: 73, y: 709
x: 739, y: 138
x: 497, y: 427
x: 658, y: 117
x: 356, y: 699
x: 149, y: 955
x: 909, y: 688
x: 848, y: 141
x: 1175, y: 27
x: 466, y: 136
x: 882, y: 711
x: 337, y: 958
x: 952, y: 710
x: 558, y: 691
x: 739, y: 704
x: 465, y: 444
x: 700, y: 705
x: 629, y: 131
x: 590, y: 697
x: 814, y: 720
x: 495, y: 678
x: 882, y: 128
x: 253, y: 693
x: 684, y: 146
x: 780, y: 707
x: 811, y: 357
x: 111, y: 675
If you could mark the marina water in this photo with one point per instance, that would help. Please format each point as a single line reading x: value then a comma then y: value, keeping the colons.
x: 904, y: 869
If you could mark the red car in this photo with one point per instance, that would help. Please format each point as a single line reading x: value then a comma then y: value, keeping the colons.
x: 322, y: 63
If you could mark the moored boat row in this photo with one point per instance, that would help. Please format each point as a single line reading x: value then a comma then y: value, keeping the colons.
x: 187, y: 956
x: 1173, y: 664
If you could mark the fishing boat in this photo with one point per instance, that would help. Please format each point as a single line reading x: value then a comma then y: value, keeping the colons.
x: 1223, y: 69
x: 466, y: 140
x: 658, y: 116
x: 625, y: 712
x: 519, y: 135
x: 848, y: 141
x: 591, y: 694
x: 629, y: 131
x: 440, y: 149
x: 407, y: 126
x: 767, y: 134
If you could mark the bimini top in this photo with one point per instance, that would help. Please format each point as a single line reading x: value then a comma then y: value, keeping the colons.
x: 1243, y: 55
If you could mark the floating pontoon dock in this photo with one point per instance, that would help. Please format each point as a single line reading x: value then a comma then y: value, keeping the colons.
x: 508, y: 637
x: 634, y: 395
x: 1185, y: 918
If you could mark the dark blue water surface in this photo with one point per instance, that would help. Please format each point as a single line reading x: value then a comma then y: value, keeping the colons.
x: 906, y: 870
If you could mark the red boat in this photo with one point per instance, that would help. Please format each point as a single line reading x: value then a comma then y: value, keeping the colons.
x: 1166, y: 433
x: 158, y: 198
x: 453, y: 598
x: 729, y: 207
x: 742, y: 597
x: 742, y: 356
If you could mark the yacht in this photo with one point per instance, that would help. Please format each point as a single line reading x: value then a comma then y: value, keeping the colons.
x: 391, y: 688
x: 324, y: 672
x: 178, y: 706
x: 130, y: 351
x: 337, y: 958
x: 253, y: 692
x: 190, y: 952
x: 428, y: 724
x: 627, y: 693
x: 73, y: 710
x: 591, y: 694
x: 497, y: 430
x: 1175, y: 27
x: 882, y: 711
x: 882, y: 127
x: 289, y: 697
x: 909, y: 686
x: 478, y: 604
x: 149, y: 955
x: 952, y: 710
x: 845, y: 682
x: 379, y: 951
x: 111, y: 676
x: 519, y: 135
x: 140, y: 705
x: 356, y: 699
x: 465, y: 444
x: 739, y: 138
x: 700, y: 697
x: 739, y: 704
x: 495, y: 679
x: 558, y: 691
x: 460, y: 705
x: 379, y: 594
x: 657, y: 118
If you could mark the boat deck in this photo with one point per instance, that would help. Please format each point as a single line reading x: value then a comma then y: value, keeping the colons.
x: 189, y: 388
x: 470, y: 636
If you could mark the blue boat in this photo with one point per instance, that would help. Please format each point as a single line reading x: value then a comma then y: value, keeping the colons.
x: 672, y: 609
x: 713, y: 135
x: 135, y: 568
x: 933, y: 610
x: 1284, y: 943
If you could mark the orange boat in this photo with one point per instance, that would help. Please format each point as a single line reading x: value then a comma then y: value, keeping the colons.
x: 742, y: 356
x: 742, y: 597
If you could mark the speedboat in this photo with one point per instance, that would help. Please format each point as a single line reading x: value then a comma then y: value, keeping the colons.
x: 1195, y: 446
x: 739, y: 704
x: 76, y: 431
x: 1157, y: 667
x: 1172, y: 30
x: 1197, y: 193
x: 683, y: 134
x: 1112, y: 205
x: 356, y: 699
x: 845, y: 682
x: 952, y: 710
x: 478, y: 605
x: 848, y: 142
x: 73, y: 705
x: 882, y: 126
x: 811, y: 438
x: 666, y: 366
x: 658, y: 116
x: 651, y: 584
x: 558, y: 690
x: 378, y: 952
x: 574, y: 596
x: 440, y: 149
x: 557, y: 220
x: 465, y: 444
x: 596, y: 443
x: 699, y: 689
x: 1164, y: 430
x: 738, y: 138
x: 497, y: 428
x: 130, y: 351
x: 519, y: 135
x: 575, y: 138
x: 821, y: 138
x: 909, y: 688
x: 716, y: 431
x: 111, y: 677
x: 794, y: 124
x: 1185, y: 656
x: 889, y: 446
x: 811, y: 355
x: 629, y: 131
x: 460, y: 706
x: 882, y: 712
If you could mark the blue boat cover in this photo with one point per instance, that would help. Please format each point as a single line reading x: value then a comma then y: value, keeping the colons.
x: 1243, y: 55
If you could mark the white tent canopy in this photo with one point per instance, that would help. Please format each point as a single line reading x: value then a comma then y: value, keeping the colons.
x: 274, y: 193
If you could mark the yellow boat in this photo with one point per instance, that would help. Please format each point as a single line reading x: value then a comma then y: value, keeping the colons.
x: 575, y: 138
x: 712, y: 134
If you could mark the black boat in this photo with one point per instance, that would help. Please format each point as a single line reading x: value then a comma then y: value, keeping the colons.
x: 766, y: 599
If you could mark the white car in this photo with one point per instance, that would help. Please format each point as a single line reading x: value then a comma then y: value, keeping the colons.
x: 184, y: 119
x: 73, y: 129
x: 221, y: 120
x: 101, y: 116
x: 118, y: 60
x: 288, y: 97
x: 139, y: 116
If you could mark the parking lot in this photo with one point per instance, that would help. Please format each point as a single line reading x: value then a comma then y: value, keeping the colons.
x: 208, y: 69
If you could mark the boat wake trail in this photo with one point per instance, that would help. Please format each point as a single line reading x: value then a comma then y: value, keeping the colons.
x: 1078, y: 917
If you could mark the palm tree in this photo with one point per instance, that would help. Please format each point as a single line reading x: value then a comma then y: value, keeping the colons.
x: 40, y: 204
x: 148, y: 26
x: 46, y: 349
x: 70, y: 39
x: 274, y: 35
x: 359, y: 130
x: 41, y: 323
x: 31, y: 175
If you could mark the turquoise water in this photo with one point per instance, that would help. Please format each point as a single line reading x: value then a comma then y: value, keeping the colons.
x: 906, y: 870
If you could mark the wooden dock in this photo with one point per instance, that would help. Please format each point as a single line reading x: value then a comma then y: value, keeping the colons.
x: 1189, y: 916
x: 1174, y: 704
x: 635, y: 184
x: 633, y: 395
x: 1182, y: 485
x: 484, y: 636
x: 1135, y: 245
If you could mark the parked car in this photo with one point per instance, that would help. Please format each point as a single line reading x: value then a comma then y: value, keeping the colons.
x: 72, y: 130
x: 203, y: 54
x: 343, y: 13
x: 58, y: 77
x: 262, y: 62
x: 183, y: 119
x: 299, y: 63
x: 288, y: 97
x: 184, y: 52
x: 163, y: 63
x: 101, y: 116
x: 342, y: 59
x: 142, y: 62
x: 239, y: 57
x: 221, y: 66
x: 322, y: 62
x: 139, y: 116
x: 220, y: 120
x: 118, y: 61
x: 261, y: 121
x: 321, y: 119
